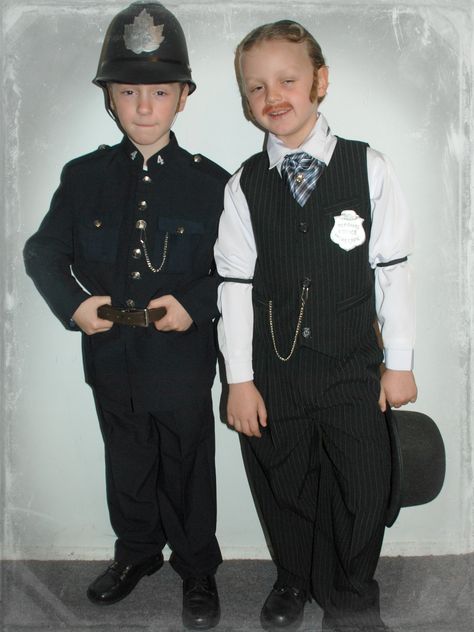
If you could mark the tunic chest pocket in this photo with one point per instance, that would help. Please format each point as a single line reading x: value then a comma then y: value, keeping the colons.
x: 97, y: 241
x: 180, y: 237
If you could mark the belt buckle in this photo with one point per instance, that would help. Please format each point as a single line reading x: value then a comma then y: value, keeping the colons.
x: 135, y: 311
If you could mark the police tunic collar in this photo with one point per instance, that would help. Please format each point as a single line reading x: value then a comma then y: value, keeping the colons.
x: 158, y: 160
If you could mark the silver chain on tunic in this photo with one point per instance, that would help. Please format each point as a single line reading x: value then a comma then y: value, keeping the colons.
x: 303, y: 299
x: 147, y: 256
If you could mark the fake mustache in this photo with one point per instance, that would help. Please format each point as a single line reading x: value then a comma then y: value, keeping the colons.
x: 268, y: 109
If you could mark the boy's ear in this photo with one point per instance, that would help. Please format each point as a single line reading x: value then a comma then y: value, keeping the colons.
x: 183, y: 97
x: 322, y: 81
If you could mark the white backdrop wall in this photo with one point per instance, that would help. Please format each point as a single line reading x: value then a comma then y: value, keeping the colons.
x: 401, y: 76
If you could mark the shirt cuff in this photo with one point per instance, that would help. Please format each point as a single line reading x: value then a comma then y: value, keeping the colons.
x: 238, y: 372
x: 399, y: 359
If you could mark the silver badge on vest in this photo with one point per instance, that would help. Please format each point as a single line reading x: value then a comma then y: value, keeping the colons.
x: 347, y: 231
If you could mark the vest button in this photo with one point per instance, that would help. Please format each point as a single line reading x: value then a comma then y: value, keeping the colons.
x: 303, y: 227
x: 136, y: 276
x: 130, y: 302
x: 136, y: 253
x: 306, y: 332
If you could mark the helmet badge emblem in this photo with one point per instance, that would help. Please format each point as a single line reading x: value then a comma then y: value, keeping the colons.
x: 143, y: 36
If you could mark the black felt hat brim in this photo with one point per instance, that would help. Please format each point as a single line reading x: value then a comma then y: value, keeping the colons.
x: 418, y: 460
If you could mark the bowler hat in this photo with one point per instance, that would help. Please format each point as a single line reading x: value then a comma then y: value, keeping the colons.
x: 418, y: 460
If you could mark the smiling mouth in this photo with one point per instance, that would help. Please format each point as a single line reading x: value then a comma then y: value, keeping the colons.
x: 274, y: 112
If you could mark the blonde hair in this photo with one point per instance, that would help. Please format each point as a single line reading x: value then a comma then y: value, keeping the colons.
x: 284, y: 30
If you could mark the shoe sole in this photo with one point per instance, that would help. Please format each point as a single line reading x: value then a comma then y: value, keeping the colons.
x: 207, y: 626
x: 274, y: 627
x: 102, y: 602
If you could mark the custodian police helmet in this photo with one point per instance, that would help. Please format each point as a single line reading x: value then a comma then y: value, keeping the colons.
x: 144, y: 44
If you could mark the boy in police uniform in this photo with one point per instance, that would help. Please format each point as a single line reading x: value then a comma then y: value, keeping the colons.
x: 136, y: 224
x: 313, y: 246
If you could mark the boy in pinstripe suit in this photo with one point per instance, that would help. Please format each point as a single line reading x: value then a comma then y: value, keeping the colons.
x: 312, y: 247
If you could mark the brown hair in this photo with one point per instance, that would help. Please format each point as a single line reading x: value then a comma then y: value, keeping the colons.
x: 284, y: 30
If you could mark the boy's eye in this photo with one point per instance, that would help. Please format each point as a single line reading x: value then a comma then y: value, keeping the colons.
x: 253, y: 89
x: 160, y: 93
x: 287, y: 81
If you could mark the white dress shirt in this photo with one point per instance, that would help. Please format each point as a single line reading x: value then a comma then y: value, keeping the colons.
x: 391, y: 238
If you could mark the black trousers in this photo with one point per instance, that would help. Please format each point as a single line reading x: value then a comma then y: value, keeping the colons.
x: 161, y: 486
x: 320, y: 474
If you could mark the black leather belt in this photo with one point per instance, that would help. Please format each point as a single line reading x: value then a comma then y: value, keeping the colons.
x: 131, y: 316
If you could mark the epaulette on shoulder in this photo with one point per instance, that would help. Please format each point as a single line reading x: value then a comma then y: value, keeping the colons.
x: 101, y: 151
x: 209, y: 167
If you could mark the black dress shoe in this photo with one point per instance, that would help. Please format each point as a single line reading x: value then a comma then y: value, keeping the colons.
x: 283, y: 608
x: 201, y: 609
x: 120, y: 579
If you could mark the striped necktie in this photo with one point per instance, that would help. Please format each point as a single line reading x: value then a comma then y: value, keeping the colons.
x: 301, y: 171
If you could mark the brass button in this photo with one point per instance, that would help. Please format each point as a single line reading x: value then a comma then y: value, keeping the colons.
x: 197, y: 157
x: 306, y: 332
x: 146, y: 179
x: 136, y: 253
x: 135, y: 275
x: 299, y: 178
x: 130, y: 302
x: 303, y: 227
x: 97, y: 223
x: 142, y: 205
x: 141, y: 224
x: 180, y: 230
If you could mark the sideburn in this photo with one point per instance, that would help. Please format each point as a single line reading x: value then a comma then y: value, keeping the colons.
x: 313, y: 95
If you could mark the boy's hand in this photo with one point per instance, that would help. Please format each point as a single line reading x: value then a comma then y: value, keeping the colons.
x: 86, y: 317
x: 246, y: 410
x: 176, y: 317
x: 397, y: 388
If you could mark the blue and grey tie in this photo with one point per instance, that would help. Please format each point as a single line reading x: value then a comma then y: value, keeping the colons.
x: 301, y: 171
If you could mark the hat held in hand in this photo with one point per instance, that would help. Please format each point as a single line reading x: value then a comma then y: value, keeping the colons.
x: 418, y: 460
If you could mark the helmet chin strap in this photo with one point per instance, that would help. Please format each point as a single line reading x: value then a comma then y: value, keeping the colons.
x: 111, y: 113
x: 107, y: 103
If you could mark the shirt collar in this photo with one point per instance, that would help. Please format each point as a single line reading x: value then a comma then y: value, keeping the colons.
x: 319, y: 143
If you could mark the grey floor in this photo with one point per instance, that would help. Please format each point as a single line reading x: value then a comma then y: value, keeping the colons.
x: 418, y: 594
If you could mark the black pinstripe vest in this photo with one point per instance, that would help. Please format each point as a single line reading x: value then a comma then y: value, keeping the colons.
x: 294, y: 244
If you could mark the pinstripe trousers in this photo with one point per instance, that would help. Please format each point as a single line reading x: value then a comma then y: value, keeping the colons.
x: 320, y: 474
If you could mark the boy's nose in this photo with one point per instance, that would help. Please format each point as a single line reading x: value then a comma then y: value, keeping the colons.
x: 273, y: 96
x: 144, y: 104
